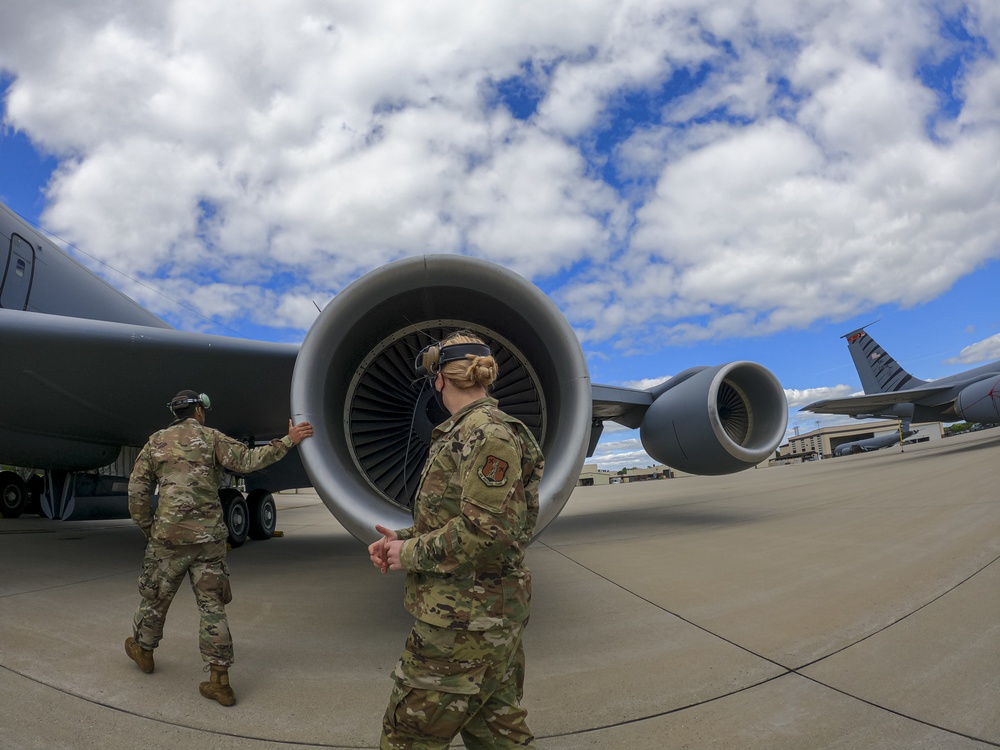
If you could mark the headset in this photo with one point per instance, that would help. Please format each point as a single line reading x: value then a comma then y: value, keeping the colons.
x: 431, y: 357
x: 179, y: 402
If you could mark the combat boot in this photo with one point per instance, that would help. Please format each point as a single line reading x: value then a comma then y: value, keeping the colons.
x: 217, y: 688
x: 141, y: 656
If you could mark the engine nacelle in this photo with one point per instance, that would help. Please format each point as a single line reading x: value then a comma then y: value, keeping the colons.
x: 354, y: 381
x: 716, y: 420
x: 980, y: 402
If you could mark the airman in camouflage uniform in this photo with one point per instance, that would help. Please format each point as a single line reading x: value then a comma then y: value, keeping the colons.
x: 188, y: 534
x: 462, y: 670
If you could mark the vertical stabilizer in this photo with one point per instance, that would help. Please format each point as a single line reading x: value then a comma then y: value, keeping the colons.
x: 879, y: 372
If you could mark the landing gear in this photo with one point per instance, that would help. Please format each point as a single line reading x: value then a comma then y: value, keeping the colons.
x: 263, y: 514
x: 13, y: 495
x: 235, y: 514
x: 59, y: 498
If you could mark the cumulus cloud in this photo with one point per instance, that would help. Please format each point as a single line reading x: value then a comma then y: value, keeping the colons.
x: 981, y: 351
x: 611, y: 428
x: 618, y: 459
x: 646, y: 383
x: 797, y: 398
x: 673, y: 172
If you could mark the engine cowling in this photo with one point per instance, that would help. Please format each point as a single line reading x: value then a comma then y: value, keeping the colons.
x: 980, y: 402
x: 354, y: 381
x: 716, y: 420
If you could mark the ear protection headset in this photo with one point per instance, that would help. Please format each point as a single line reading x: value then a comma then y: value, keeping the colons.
x: 179, y: 402
x: 431, y: 357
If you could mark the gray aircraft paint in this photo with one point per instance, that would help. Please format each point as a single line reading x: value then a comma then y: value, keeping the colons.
x: 873, y: 443
x: 92, y: 372
x: 892, y: 392
x: 59, y: 285
x: 15, y: 279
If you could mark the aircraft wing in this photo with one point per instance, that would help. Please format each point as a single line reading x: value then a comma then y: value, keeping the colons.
x: 623, y: 405
x: 878, y: 402
x: 84, y: 371
x: 78, y: 389
x: 94, y: 382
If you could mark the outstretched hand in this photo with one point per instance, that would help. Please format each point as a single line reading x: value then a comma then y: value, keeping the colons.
x: 299, y: 432
x: 384, y: 552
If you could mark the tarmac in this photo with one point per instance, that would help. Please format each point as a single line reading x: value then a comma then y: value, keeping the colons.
x: 845, y: 603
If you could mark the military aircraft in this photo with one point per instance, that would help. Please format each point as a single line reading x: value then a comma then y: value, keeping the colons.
x: 893, y: 393
x: 86, y: 374
x: 874, y: 443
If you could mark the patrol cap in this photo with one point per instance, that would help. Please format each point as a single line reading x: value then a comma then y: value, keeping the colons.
x: 430, y: 359
x: 186, y: 398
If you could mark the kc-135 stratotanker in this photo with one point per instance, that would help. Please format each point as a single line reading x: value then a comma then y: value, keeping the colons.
x: 85, y: 373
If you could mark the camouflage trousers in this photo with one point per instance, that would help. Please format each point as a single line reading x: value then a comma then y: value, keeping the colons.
x: 458, y: 681
x: 163, y: 570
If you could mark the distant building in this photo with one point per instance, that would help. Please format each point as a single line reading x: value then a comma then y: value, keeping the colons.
x: 820, y: 443
x: 591, y: 476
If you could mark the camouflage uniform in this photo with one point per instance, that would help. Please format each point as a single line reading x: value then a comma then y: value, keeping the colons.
x: 188, y: 534
x: 468, y: 587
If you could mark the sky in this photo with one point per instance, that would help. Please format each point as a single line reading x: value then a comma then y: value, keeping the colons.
x: 691, y: 182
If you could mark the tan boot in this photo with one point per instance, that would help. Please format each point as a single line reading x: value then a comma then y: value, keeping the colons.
x: 141, y: 656
x: 217, y: 688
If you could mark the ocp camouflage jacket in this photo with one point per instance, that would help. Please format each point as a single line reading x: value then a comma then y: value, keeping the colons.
x: 475, y: 512
x: 187, y: 460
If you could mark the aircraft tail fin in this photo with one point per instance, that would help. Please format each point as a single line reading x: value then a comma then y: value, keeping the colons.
x: 879, y: 372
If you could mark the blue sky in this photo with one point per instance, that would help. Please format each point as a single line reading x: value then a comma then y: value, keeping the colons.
x: 691, y: 182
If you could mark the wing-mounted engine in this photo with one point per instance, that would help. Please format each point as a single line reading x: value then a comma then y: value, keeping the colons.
x: 354, y: 381
x: 715, y: 420
x: 980, y: 402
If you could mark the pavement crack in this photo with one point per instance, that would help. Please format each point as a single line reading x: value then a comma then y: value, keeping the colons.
x: 787, y: 670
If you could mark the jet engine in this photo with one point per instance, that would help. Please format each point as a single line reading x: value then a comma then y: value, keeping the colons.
x: 980, y: 402
x: 354, y: 381
x: 715, y: 420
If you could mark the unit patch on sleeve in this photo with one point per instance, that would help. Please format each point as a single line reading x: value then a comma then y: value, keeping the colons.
x: 494, y: 471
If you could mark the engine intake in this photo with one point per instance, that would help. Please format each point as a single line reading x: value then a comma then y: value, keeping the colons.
x: 354, y: 381
x: 716, y: 420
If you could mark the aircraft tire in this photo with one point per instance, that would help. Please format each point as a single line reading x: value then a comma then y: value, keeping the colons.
x: 13, y: 495
x: 236, y: 515
x: 263, y: 514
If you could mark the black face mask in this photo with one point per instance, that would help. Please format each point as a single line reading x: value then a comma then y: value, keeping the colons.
x: 439, y: 395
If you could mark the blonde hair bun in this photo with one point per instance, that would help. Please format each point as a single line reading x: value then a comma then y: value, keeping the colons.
x: 472, y: 372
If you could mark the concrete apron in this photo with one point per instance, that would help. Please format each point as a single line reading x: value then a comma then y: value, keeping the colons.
x: 849, y: 603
